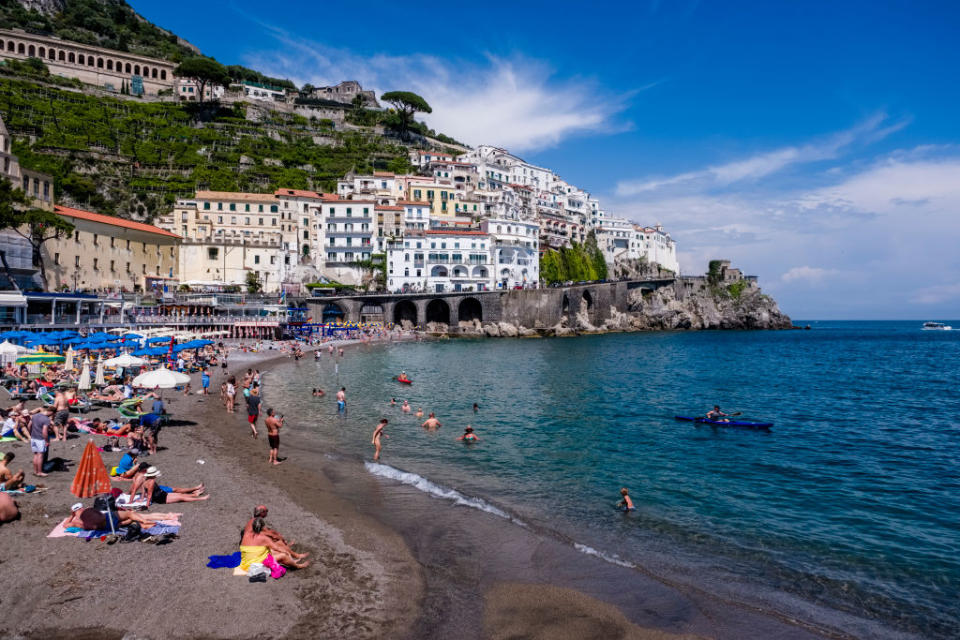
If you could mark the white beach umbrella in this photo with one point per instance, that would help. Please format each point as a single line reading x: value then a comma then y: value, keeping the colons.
x: 84, y: 382
x: 68, y: 365
x: 125, y: 360
x: 161, y: 378
x: 100, y: 379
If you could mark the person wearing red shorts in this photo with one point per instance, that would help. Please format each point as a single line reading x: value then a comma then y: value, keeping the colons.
x: 253, y: 409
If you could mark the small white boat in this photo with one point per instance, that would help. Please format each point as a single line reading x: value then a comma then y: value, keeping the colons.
x: 936, y: 326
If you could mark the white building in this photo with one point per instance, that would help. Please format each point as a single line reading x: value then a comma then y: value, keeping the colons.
x: 618, y: 239
x: 660, y: 248
x: 441, y: 260
x: 257, y: 91
x: 515, y: 252
x: 349, y: 228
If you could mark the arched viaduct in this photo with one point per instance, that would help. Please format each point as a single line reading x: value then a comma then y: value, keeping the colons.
x: 534, y: 308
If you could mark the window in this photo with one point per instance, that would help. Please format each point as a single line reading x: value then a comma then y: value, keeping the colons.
x: 219, y: 206
x: 233, y: 207
x: 306, y: 222
x: 76, y: 261
x: 95, y: 240
x: 112, y: 266
x: 260, y: 221
x: 56, y: 258
x: 206, y: 206
x: 366, y: 210
x: 273, y: 208
x: 233, y: 219
x: 76, y: 236
x: 349, y: 211
x: 256, y: 259
x: 96, y: 264
x: 306, y: 234
x: 246, y: 207
x: 246, y: 220
x: 260, y: 208
x: 128, y: 267
x: 128, y: 245
x: 213, y: 253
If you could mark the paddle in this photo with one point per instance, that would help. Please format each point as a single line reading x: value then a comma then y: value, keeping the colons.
x: 729, y: 415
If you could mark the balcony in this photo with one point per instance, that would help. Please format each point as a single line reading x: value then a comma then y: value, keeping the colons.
x: 367, y: 218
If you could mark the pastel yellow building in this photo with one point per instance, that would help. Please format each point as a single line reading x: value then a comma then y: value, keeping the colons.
x: 107, y: 253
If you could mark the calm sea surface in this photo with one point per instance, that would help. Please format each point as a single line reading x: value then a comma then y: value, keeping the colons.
x: 851, y: 503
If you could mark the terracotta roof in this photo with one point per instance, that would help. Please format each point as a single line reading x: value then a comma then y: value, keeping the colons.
x: 297, y: 193
x: 387, y: 207
x: 235, y: 195
x: 112, y: 220
x: 329, y: 197
x: 419, y: 203
x: 383, y: 174
x: 356, y: 201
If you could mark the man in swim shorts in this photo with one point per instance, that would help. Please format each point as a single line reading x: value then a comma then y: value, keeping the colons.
x: 342, y: 400
x: 9, y: 481
x: 61, y: 416
x: 273, y: 424
x: 431, y: 422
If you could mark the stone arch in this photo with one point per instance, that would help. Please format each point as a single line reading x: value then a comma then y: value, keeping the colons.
x: 90, y: 61
x: 163, y: 74
x: 469, y: 310
x: 52, y: 54
x: 127, y: 69
x: 20, y: 49
x: 438, y: 271
x: 438, y: 311
x: 332, y: 312
x: 145, y: 72
x: 99, y: 63
x: 10, y: 45
x: 588, y: 300
x: 71, y: 58
x: 62, y: 56
x: 32, y: 51
x: 136, y: 69
x: 118, y: 66
x: 109, y: 65
x: 405, y: 311
x: 460, y: 272
x: 42, y: 52
x: 81, y: 59
x: 479, y: 272
x: 370, y: 312
x: 153, y: 72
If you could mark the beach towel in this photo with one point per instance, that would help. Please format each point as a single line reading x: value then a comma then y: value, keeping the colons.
x: 169, y: 524
x: 123, y: 500
x: 224, y: 562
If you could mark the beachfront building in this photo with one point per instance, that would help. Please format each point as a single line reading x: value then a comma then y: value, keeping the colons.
x: 390, y: 225
x: 440, y: 260
x: 619, y: 240
x: 349, y: 229
x: 659, y: 247
x: 515, y: 252
x: 228, y: 234
x: 93, y: 65
x: 107, y: 253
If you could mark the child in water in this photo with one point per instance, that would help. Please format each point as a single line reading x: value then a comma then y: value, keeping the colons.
x: 625, y: 504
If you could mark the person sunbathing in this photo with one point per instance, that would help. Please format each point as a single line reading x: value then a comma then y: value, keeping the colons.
x: 9, y: 511
x: 91, y: 519
x: 257, y: 547
x: 10, y: 481
x: 113, y: 393
x: 153, y: 492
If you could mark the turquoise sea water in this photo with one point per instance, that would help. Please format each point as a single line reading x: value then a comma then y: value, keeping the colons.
x: 850, y: 504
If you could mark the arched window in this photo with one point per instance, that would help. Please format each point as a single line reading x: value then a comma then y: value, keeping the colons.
x: 20, y: 48
x: 61, y: 55
x: 52, y: 54
x: 71, y: 57
x: 90, y: 61
x: 32, y: 51
x: 163, y: 74
x: 100, y: 63
x: 109, y: 65
x: 136, y: 70
x: 81, y: 59
x: 146, y: 72
x: 10, y: 45
x: 153, y: 73
x: 42, y: 52
x: 128, y: 68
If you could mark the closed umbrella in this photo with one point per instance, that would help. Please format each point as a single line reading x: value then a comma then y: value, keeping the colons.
x: 161, y: 378
x: 92, y: 477
x: 101, y: 379
x: 84, y: 383
x: 125, y: 360
x: 69, y: 364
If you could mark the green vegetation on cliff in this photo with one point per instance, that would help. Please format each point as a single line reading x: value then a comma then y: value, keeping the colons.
x: 128, y: 157
x: 579, y: 262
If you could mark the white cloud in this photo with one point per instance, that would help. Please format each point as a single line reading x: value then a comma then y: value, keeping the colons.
x: 765, y: 164
x: 937, y: 294
x: 811, y: 275
x: 516, y: 103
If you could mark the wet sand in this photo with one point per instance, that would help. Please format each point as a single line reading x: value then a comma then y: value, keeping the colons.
x: 388, y: 562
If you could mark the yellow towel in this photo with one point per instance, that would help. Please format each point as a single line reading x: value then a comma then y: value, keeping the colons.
x: 250, y: 555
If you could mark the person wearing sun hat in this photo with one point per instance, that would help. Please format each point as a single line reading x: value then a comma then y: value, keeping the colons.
x: 157, y: 493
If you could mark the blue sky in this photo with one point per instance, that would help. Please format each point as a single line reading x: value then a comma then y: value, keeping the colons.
x: 813, y: 143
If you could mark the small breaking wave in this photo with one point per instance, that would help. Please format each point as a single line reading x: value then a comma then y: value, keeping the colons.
x: 421, y: 483
x: 612, y: 559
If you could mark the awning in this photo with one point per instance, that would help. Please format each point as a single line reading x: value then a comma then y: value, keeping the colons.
x: 12, y: 299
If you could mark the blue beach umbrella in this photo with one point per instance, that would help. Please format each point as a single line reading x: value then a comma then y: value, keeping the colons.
x: 132, y: 336
x: 158, y: 339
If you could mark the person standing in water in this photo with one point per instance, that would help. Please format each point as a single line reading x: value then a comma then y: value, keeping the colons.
x: 342, y: 400
x: 431, y: 422
x: 476, y: 407
x: 377, y: 435
x: 626, y: 504
x: 469, y: 435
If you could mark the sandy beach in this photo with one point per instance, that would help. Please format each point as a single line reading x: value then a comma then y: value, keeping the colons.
x: 374, y: 575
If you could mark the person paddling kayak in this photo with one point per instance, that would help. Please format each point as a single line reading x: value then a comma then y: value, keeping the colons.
x: 403, y: 377
x: 716, y: 415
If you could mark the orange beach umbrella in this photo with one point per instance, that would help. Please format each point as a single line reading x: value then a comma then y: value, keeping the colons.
x: 92, y: 477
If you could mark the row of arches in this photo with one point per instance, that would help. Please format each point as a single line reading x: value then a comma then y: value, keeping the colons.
x: 70, y: 57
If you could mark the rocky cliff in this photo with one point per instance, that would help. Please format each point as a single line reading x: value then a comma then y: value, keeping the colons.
x: 686, y: 304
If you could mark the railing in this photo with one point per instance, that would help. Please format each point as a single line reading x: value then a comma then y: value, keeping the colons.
x: 357, y: 219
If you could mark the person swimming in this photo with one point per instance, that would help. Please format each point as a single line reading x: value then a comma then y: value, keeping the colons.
x: 469, y: 435
x: 419, y: 412
x: 406, y: 407
x: 625, y: 504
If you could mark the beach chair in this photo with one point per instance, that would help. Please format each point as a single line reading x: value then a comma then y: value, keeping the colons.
x: 18, y: 395
x: 128, y: 411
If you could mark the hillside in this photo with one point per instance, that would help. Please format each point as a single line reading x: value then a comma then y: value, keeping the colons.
x: 134, y: 158
x: 106, y: 23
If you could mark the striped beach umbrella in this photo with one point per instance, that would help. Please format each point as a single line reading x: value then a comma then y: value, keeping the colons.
x: 40, y: 358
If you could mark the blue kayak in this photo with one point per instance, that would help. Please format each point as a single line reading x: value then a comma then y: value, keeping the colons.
x: 731, y: 423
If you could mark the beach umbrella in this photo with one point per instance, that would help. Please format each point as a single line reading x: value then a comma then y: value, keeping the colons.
x: 125, y: 360
x: 10, y: 349
x: 84, y: 382
x: 69, y: 363
x: 101, y: 379
x: 161, y: 378
x: 132, y: 336
x: 92, y: 477
x: 159, y: 339
x: 39, y: 358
